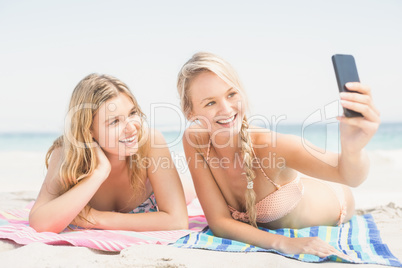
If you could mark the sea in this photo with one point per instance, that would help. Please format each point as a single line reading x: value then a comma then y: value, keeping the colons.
x: 326, y: 136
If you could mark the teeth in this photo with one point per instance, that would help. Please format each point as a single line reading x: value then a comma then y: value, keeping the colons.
x: 128, y: 140
x: 227, y: 120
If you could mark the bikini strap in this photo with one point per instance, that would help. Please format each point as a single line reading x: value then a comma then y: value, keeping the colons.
x: 255, y: 156
x: 263, y: 172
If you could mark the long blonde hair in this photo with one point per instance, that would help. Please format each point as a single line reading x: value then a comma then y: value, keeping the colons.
x: 78, y: 158
x: 208, y: 62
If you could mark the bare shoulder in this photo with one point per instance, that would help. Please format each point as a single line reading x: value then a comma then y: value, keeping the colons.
x: 260, y: 137
x: 155, y: 144
x: 52, y: 184
x: 55, y: 158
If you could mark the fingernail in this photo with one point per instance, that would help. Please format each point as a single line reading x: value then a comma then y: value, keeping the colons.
x: 349, y: 85
x: 343, y: 94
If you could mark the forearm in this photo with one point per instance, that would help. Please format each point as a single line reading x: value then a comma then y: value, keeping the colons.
x: 239, y: 231
x: 353, y: 167
x: 58, y: 213
x: 140, y: 222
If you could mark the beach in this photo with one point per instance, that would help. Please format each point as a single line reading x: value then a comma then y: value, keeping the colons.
x: 278, y: 56
x: 379, y: 195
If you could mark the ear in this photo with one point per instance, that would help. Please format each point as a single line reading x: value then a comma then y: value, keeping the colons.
x: 190, y: 117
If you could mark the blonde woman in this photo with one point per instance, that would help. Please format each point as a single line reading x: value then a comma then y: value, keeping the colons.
x: 104, y: 171
x: 247, y: 177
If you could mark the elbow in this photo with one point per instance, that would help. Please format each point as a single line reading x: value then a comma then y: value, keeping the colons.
x: 355, y: 183
x: 35, y: 224
x: 43, y: 226
x: 218, y: 227
x: 40, y: 228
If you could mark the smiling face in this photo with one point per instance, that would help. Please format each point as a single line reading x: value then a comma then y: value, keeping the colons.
x: 218, y: 106
x: 116, y: 126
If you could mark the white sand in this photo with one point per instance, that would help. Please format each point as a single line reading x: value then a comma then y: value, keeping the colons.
x: 21, y: 176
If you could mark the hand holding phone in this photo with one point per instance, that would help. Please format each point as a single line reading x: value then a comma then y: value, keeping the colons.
x: 345, y: 71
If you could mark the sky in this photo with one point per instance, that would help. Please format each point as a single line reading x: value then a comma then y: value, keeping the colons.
x: 281, y: 50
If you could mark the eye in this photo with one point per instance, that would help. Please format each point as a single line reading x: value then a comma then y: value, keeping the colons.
x: 133, y: 112
x: 210, y: 103
x: 232, y: 94
x: 114, y: 122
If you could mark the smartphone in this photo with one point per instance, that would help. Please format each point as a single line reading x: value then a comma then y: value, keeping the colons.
x: 345, y: 71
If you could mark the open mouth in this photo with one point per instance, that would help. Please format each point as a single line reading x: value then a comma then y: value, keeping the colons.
x: 129, y: 140
x: 227, y: 121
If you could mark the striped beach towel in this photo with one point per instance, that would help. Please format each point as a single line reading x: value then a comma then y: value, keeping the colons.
x: 359, y: 238
x: 14, y: 226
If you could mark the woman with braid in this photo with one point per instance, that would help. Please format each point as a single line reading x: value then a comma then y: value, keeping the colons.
x: 247, y: 176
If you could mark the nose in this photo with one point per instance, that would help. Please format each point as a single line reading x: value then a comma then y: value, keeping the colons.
x: 225, y: 107
x: 130, y: 126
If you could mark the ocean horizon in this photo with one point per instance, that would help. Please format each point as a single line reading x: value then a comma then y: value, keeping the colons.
x: 326, y: 136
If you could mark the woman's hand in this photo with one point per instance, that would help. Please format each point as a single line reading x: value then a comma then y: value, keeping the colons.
x: 310, y: 245
x: 103, y: 166
x: 356, y: 132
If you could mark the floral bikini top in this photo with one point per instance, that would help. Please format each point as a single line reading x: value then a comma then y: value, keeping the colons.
x: 148, y: 205
x: 275, y: 205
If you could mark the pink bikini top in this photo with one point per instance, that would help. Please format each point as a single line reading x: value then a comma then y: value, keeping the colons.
x: 275, y: 205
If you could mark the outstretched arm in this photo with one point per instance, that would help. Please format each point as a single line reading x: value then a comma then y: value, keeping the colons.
x: 351, y: 166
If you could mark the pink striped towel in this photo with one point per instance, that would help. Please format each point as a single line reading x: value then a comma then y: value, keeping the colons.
x: 14, y: 226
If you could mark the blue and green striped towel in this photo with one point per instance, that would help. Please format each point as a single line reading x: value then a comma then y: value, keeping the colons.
x: 359, y: 238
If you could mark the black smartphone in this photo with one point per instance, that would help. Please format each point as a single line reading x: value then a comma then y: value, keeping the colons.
x: 345, y: 71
